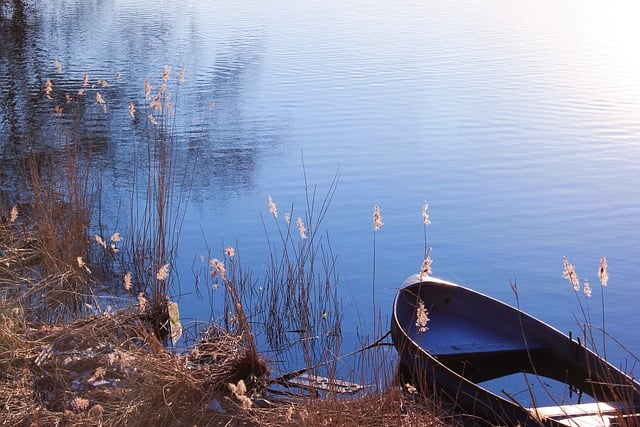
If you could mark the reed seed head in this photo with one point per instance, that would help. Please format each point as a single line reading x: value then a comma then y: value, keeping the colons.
x: 58, y: 65
x: 289, y: 413
x: 602, y: 272
x: 98, y: 374
x: 147, y: 89
x: 273, y: 209
x: 241, y: 387
x: 100, y: 101
x: 163, y: 272
x: 422, y: 316
x: 377, y: 218
x: 230, y: 252
x: 425, y: 215
x: 569, y: 273
x: 13, y: 216
x: 128, y: 282
x: 48, y: 88
x: 217, y: 268
x: 81, y: 403
x: 166, y: 73
x: 156, y: 104
x: 245, y: 402
x: 301, y: 229
x: 181, y: 76
x: 239, y: 391
x: 142, y: 302
x: 82, y: 264
x: 586, y: 288
x: 101, y: 242
x: 514, y: 288
x: 425, y: 270
x: 85, y: 80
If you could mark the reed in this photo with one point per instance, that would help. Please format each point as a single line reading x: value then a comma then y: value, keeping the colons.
x: 158, y: 200
x: 54, y: 218
x: 294, y: 317
x: 297, y: 303
x: 299, y: 312
x: 603, y: 385
x: 153, y: 217
x: 590, y: 330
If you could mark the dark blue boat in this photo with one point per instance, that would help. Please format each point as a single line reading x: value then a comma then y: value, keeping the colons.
x: 451, y: 339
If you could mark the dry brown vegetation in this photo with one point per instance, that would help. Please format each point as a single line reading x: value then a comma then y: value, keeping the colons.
x: 112, y: 369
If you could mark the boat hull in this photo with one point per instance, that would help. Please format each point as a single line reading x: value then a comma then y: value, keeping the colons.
x: 470, y: 338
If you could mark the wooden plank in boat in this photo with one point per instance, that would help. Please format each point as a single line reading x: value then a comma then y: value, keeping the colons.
x: 583, y: 414
x: 487, y: 347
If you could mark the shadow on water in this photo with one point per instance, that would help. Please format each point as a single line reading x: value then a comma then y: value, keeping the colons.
x: 19, y: 66
x: 61, y: 43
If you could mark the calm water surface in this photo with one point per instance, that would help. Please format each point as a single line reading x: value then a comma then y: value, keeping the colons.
x: 518, y: 123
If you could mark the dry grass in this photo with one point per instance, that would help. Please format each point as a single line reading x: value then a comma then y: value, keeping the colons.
x: 392, y: 408
x: 112, y: 370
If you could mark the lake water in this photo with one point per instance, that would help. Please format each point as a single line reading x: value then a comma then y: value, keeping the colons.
x: 519, y: 123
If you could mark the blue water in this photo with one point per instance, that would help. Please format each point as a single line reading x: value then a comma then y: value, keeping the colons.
x: 518, y: 123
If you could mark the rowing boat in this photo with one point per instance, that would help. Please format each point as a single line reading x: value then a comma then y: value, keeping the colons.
x: 452, y: 340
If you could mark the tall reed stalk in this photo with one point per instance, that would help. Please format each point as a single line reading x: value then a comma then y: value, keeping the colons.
x: 159, y: 197
x: 603, y: 275
x: 61, y: 186
x: 297, y: 303
x: 377, y: 224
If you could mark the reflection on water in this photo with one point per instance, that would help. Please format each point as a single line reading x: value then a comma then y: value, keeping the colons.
x: 518, y: 123
x: 66, y: 42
